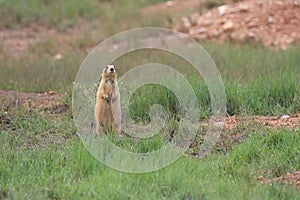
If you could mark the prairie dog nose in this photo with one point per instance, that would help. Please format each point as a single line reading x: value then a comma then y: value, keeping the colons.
x: 112, y: 70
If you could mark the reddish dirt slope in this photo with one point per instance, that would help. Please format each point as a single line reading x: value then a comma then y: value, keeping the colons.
x: 273, y: 22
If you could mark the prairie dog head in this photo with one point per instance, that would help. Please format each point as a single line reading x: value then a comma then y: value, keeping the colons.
x: 109, y: 72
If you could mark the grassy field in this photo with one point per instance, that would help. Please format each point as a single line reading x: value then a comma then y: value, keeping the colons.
x: 41, y: 157
x: 257, y: 81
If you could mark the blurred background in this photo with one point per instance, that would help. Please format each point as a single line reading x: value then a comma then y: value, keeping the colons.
x: 253, y: 42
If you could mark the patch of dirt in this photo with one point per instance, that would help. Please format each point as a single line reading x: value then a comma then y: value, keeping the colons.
x: 3, y: 194
x: 14, y: 42
x: 50, y: 101
x: 292, y: 122
x: 17, y: 40
x: 275, y: 23
x: 237, y: 129
x: 51, y: 104
x: 292, y: 178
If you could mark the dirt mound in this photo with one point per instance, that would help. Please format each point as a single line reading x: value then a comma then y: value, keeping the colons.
x: 50, y: 101
x: 292, y: 122
x: 289, y: 178
x: 273, y: 22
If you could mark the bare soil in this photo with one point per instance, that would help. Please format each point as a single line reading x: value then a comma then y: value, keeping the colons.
x: 275, y: 23
x: 15, y: 42
x: 292, y: 178
x: 50, y: 101
x: 292, y: 122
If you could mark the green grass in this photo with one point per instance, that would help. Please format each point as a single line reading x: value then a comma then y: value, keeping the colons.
x: 257, y: 81
x: 68, y: 171
x: 39, y: 74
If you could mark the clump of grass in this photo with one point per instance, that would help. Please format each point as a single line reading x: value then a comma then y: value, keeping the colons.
x: 276, y: 96
x: 213, y: 3
x: 39, y: 74
x: 271, y: 152
x: 19, y: 13
x: 148, y: 95
x: 265, y: 96
x: 74, y: 173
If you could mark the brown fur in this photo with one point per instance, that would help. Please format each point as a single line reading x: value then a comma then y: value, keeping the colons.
x: 107, y: 109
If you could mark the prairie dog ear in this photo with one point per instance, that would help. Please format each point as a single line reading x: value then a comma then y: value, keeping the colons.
x: 105, y: 70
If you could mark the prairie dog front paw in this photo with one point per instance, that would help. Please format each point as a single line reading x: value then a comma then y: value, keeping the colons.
x: 105, y: 96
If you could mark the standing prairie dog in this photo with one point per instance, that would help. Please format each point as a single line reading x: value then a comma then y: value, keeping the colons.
x: 107, y: 109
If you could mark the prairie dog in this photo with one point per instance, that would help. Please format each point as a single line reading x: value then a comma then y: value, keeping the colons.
x: 107, y: 109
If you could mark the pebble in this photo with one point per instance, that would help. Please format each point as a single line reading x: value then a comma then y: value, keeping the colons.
x: 228, y: 26
x: 57, y: 57
x: 169, y: 3
x: 201, y: 30
x: 222, y: 9
x: 285, y: 117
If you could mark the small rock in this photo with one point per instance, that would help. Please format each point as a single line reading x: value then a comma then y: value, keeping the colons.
x: 57, y: 57
x: 217, y: 33
x: 51, y: 92
x: 248, y: 19
x: 279, y: 3
x: 207, y: 23
x: 290, y: 40
x: 222, y: 10
x: 243, y: 8
x: 169, y: 3
x: 285, y: 117
x: 192, y: 32
x: 201, y: 30
x: 228, y: 26
x: 270, y: 20
x: 251, y: 35
x: 186, y: 23
x: 252, y: 25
